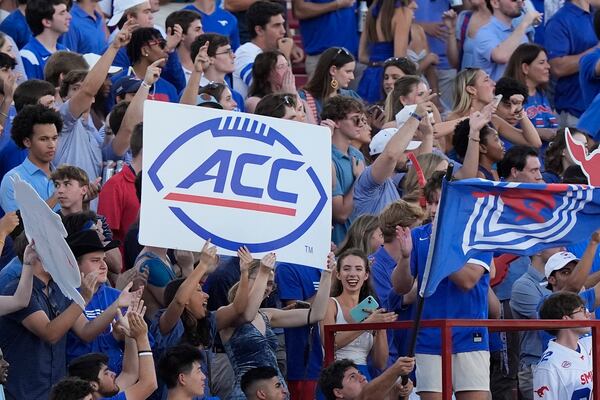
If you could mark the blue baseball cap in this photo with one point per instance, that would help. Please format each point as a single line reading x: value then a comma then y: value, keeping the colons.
x: 127, y: 84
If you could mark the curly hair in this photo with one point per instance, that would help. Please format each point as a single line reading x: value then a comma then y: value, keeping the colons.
x: 30, y: 116
x: 337, y: 108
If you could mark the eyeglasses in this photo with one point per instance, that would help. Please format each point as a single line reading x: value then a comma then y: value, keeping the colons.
x: 229, y: 51
x: 359, y: 120
x: 584, y: 310
x: 162, y: 43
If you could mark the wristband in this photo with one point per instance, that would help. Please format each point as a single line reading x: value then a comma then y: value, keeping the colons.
x: 416, y: 116
x: 3, y: 114
x: 473, y: 139
x: 147, y: 86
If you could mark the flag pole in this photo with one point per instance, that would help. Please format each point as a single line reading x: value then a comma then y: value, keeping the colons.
x: 420, y: 298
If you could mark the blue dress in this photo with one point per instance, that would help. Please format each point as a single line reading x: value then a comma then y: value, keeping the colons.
x: 248, y: 348
x: 370, y: 87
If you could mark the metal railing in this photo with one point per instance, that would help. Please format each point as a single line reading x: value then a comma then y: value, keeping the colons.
x: 494, y: 325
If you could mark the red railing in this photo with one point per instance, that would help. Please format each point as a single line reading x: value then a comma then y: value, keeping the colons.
x: 446, y: 325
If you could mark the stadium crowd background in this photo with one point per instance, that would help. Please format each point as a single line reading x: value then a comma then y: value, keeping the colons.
x: 488, y: 85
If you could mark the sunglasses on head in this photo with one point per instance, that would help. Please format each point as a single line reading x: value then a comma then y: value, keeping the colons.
x: 162, y: 43
x: 342, y: 50
x: 287, y: 101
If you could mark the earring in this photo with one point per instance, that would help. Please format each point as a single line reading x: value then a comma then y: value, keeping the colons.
x: 334, y: 84
x: 145, y: 54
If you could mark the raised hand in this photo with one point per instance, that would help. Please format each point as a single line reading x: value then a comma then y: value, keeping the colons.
x: 288, y: 83
x: 329, y: 124
x: 331, y: 261
x: 137, y: 326
x: 127, y: 297
x: 124, y: 35
x: 174, y: 36
x: 10, y: 84
x: 208, y: 256
x: 245, y: 258
x: 268, y: 260
x: 94, y: 188
x: 8, y: 223
x: 404, y: 237
x: 406, y: 365
x: 31, y: 256
x: 479, y: 119
x: 88, y: 285
x: 202, y: 61
x: 153, y: 72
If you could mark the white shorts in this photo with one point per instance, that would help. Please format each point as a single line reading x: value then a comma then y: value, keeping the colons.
x: 470, y: 371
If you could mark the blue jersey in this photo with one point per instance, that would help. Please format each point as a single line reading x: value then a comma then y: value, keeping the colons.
x: 15, y: 26
x: 472, y: 304
x: 297, y: 282
x: 86, y: 34
x: 220, y: 21
x: 34, y: 56
x: 317, y: 32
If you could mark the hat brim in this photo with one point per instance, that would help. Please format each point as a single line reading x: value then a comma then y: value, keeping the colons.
x: 115, y: 18
x: 114, y: 70
x: 86, y: 249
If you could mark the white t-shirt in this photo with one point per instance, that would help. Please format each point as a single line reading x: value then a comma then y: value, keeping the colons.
x: 564, y: 374
x: 244, y: 60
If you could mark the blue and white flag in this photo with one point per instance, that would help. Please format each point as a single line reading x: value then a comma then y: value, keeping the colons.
x: 477, y: 215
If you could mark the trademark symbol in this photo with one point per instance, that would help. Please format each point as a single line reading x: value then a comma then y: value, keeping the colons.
x: 308, y: 249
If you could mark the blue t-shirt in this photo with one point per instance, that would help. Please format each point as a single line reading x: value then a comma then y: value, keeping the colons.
x: 34, y: 56
x: 161, y: 90
x: 472, y: 304
x: 298, y: 282
x: 570, y: 31
x: 220, y: 21
x: 105, y: 342
x: 33, y: 175
x: 589, y: 122
x: 15, y: 26
x: 10, y: 272
x: 317, y: 32
x: 86, y: 34
x: 588, y: 80
x: 119, y: 396
x: 371, y: 197
x: 344, y: 178
x: 431, y: 11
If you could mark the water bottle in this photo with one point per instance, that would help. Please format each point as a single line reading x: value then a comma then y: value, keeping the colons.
x: 529, y: 7
x: 109, y: 171
x: 362, y: 15
x: 119, y: 166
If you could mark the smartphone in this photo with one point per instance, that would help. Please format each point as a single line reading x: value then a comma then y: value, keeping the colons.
x: 375, y: 111
x: 359, y: 314
x: 497, y: 100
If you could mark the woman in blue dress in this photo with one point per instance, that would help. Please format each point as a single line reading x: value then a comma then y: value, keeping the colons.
x: 253, y: 344
x: 386, y: 35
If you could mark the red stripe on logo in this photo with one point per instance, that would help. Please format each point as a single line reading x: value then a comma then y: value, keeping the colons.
x: 243, y: 205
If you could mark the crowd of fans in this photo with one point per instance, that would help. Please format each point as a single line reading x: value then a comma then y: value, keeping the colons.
x: 425, y: 91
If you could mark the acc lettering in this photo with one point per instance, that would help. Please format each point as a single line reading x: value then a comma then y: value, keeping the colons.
x: 587, y: 377
x: 222, y: 160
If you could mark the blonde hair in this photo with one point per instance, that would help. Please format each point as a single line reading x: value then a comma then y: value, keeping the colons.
x: 252, y: 272
x: 462, y: 98
x: 397, y: 213
x: 359, y: 234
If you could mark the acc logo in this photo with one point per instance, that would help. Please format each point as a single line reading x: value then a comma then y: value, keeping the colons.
x: 566, y: 364
x: 246, y: 172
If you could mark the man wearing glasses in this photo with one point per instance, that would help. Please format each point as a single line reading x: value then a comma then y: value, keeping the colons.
x: 565, y: 370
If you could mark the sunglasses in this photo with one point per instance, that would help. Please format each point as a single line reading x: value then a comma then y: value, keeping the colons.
x: 286, y: 101
x: 214, y: 85
x: 359, y: 120
x: 393, y: 60
x: 342, y: 50
x: 162, y: 43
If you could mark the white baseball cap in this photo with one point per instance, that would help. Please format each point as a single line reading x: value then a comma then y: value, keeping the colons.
x: 92, y: 59
x: 558, y: 261
x: 119, y: 8
x: 381, y: 139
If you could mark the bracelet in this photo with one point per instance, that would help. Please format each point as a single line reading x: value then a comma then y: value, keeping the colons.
x: 144, y: 353
x: 147, y: 86
x: 308, y: 316
x: 416, y: 116
x: 3, y: 114
x: 473, y: 139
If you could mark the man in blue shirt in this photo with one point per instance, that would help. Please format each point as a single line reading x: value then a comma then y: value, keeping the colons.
x: 375, y: 189
x: 15, y: 25
x: 345, y: 118
x: 318, y: 19
x: 192, y: 27
x: 217, y: 20
x: 468, y: 290
x: 589, y: 69
x: 569, y: 36
x: 87, y: 33
x: 300, y: 283
x: 497, y: 40
x: 35, y: 128
x: 48, y: 20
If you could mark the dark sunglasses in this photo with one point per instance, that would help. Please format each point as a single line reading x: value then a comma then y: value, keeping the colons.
x: 342, y: 50
x: 359, y: 120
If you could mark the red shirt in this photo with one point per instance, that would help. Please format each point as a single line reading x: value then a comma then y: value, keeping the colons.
x: 118, y: 202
